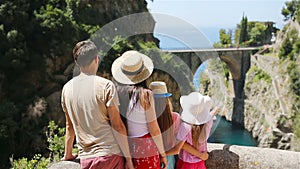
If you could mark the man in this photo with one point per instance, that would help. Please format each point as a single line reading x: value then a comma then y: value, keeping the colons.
x: 92, y: 115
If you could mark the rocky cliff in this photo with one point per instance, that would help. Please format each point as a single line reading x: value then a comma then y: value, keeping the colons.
x: 36, y: 61
x: 269, y: 105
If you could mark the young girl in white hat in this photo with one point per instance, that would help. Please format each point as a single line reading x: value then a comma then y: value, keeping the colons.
x: 196, y: 124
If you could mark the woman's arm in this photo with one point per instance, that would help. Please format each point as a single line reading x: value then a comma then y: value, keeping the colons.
x: 154, y: 129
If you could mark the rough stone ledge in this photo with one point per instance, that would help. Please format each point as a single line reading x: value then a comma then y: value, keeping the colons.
x: 223, y: 156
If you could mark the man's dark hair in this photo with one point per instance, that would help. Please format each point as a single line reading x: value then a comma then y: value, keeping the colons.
x: 84, y: 52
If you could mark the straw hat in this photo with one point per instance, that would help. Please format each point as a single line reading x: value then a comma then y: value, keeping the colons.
x: 132, y: 67
x: 159, y: 89
x: 196, y: 108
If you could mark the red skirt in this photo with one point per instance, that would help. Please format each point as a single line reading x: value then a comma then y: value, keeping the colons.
x: 144, y: 152
x: 186, y: 165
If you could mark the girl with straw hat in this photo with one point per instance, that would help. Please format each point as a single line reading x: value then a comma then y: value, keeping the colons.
x: 194, y: 130
x: 133, y: 68
x: 168, y: 121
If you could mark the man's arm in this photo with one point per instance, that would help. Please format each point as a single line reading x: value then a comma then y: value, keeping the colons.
x: 120, y: 133
x: 154, y: 130
x: 69, y: 139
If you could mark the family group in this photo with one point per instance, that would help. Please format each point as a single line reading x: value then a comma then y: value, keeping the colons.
x: 125, y: 123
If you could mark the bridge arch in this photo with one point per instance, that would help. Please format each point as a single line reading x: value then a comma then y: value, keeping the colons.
x: 233, y: 66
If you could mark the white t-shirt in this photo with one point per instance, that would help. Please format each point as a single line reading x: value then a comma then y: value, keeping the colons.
x: 136, y: 119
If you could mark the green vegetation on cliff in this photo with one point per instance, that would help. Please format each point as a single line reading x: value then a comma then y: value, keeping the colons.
x: 289, y: 53
x: 56, y: 143
x: 259, y: 75
x: 291, y: 10
x: 36, y: 42
x: 31, y: 33
x: 37, y: 38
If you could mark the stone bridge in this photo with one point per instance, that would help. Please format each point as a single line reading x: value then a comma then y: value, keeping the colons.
x: 238, y: 63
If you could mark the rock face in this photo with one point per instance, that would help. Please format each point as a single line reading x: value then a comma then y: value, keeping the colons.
x: 65, y: 165
x: 223, y: 156
x: 236, y: 157
x: 265, y: 108
x: 268, y: 107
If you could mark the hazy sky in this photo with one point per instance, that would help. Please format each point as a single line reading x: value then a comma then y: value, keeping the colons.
x: 211, y: 15
x: 220, y: 13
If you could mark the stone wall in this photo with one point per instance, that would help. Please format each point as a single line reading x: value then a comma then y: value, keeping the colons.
x: 232, y: 157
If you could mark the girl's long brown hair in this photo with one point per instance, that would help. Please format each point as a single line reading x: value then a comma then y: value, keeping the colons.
x: 198, y: 134
x: 163, y: 109
x: 138, y: 91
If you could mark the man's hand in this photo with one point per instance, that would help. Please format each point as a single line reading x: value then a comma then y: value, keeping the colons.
x: 69, y: 157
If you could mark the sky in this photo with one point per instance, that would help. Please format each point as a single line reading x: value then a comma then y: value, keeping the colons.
x: 209, y: 16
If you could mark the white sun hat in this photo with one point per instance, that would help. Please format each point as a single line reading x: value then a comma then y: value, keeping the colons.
x: 196, y: 108
x: 132, y: 67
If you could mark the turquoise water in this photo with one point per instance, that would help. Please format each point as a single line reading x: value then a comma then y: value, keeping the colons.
x: 226, y: 132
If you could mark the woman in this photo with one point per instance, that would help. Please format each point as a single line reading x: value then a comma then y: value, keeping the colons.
x: 133, y: 68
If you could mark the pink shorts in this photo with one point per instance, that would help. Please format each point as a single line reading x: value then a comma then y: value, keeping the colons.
x: 106, y: 162
x: 186, y: 165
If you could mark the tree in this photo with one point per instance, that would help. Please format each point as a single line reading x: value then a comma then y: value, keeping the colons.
x: 291, y: 9
x: 257, y: 34
x: 34, y: 33
x: 225, y: 38
x: 243, y: 30
x: 289, y: 46
x: 36, y: 41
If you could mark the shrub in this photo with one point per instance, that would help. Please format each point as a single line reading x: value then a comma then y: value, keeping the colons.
x: 37, y: 162
x: 55, y: 140
x: 259, y: 74
x: 297, y: 124
x: 288, y: 48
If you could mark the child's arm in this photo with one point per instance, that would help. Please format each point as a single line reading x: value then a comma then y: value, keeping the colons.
x: 175, y: 150
x: 187, y: 147
x: 215, y: 111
